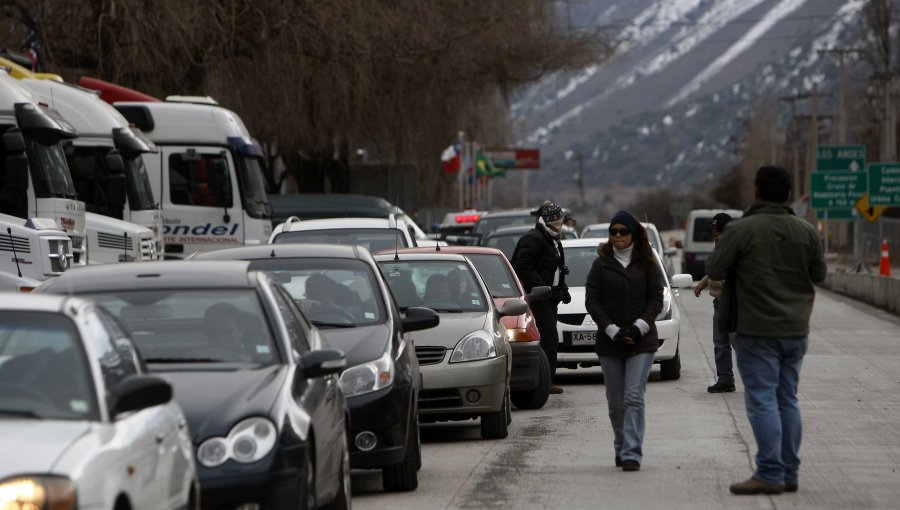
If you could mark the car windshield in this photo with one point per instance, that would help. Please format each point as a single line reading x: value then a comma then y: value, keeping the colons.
x: 373, y: 239
x: 602, y: 231
x: 49, y: 171
x: 331, y: 292
x: 195, y: 326
x: 44, y: 372
x: 504, y: 242
x: 702, y: 232
x: 495, y: 272
x: 580, y: 258
x: 487, y: 224
x: 253, y: 187
x: 442, y: 285
x: 140, y: 194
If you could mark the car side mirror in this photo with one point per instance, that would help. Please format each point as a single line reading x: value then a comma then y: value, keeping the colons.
x: 538, y: 294
x: 322, y: 362
x: 418, y: 318
x: 138, y: 392
x: 682, y: 281
x: 513, y: 307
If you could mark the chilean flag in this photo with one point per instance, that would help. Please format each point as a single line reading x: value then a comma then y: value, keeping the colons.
x: 451, y: 159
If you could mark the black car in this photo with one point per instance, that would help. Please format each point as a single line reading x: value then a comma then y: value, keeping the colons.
x: 341, y: 291
x: 263, y: 405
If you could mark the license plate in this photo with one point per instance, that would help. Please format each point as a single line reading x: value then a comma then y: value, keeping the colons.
x: 701, y: 256
x: 583, y: 337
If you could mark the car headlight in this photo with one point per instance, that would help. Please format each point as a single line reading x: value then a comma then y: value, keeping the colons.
x: 474, y: 346
x: 368, y: 377
x: 34, y: 492
x: 666, y: 312
x: 248, y: 441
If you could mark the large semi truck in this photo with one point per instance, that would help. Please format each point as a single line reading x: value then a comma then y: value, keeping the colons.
x: 207, y: 174
x: 107, y: 167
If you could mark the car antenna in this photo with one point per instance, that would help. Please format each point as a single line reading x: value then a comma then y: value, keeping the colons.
x: 396, y: 242
x: 13, y: 244
x: 125, y: 247
x: 437, y: 244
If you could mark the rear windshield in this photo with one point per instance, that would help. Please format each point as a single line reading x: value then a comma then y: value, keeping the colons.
x: 442, y: 285
x: 372, y: 239
x: 702, y: 233
x: 496, y: 275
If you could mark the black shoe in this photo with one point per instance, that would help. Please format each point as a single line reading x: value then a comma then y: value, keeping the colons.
x: 631, y: 465
x: 720, y: 388
x: 754, y: 486
x: 791, y: 486
x: 618, y: 461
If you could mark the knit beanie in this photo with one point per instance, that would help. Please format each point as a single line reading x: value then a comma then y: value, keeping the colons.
x: 625, y: 218
x: 551, y: 212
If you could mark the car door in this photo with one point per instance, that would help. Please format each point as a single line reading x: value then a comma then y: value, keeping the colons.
x: 175, y: 456
x: 137, y: 438
x: 321, y: 397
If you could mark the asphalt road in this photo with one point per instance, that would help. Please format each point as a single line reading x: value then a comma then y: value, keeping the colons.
x: 696, y: 443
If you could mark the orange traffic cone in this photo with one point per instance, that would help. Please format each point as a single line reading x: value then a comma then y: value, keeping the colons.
x: 885, y: 260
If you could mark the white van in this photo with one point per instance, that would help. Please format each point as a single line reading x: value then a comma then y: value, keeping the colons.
x: 698, y: 239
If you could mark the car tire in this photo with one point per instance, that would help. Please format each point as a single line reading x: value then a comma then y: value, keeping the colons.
x: 342, y: 499
x: 496, y: 425
x: 536, y: 398
x: 670, y: 369
x: 404, y: 477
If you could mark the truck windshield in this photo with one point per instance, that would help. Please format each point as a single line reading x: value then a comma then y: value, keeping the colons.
x: 49, y: 171
x: 140, y: 195
x: 253, y: 187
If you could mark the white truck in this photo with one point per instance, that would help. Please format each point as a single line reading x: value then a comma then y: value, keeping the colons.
x: 35, y: 180
x: 108, y: 171
x: 31, y: 252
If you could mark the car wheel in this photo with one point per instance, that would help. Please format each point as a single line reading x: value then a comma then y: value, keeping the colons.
x: 342, y: 499
x: 496, y: 425
x: 403, y: 477
x: 670, y: 369
x: 536, y: 398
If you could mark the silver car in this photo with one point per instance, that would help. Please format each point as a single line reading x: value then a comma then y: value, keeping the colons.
x: 466, y: 360
x: 82, y: 425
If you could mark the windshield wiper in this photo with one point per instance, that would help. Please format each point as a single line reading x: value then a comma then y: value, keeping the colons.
x: 182, y: 360
x: 21, y: 413
x: 332, y: 324
x: 447, y: 310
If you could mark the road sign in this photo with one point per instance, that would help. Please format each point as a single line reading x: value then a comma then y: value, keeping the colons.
x: 837, y: 214
x: 867, y: 210
x: 884, y: 184
x: 840, y: 158
x: 516, y: 159
x: 836, y: 190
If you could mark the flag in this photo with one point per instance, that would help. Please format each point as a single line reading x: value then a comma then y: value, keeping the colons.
x: 484, y: 167
x: 451, y: 159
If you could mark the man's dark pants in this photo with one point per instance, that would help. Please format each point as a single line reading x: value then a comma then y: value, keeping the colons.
x: 545, y: 317
x: 722, y: 350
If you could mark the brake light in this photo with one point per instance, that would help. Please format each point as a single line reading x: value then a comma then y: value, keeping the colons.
x: 688, y: 256
x: 470, y: 218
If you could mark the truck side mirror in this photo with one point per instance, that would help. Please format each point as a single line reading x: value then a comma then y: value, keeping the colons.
x: 115, y: 189
x: 114, y: 162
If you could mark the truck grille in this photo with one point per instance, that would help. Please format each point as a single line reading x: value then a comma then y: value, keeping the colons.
x: 435, y: 399
x: 79, y: 253
x: 8, y: 242
x: 148, y: 250
x: 573, y: 319
x: 59, y: 262
x: 430, y: 355
x: 114, y: 242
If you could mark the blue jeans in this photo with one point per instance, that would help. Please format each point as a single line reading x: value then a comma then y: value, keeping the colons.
x: 626, y: 380
x: 722, y: 349
x: 770, y: 371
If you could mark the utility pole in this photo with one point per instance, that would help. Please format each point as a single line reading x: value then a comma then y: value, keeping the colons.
x: 842, y: 88
x: 795, y: 137
x: 579, y: 180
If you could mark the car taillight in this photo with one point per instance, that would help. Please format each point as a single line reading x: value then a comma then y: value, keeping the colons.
x: 688, y: 256
x: 519, y: 335
x: 471, y: 218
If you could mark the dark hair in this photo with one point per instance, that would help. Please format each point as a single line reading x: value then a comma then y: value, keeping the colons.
x: 773, y: 184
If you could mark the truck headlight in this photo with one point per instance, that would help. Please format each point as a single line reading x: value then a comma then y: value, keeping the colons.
x: 474, y: 346
x: 248, y: 441
x: 368, y: 377
x: 32, y: 492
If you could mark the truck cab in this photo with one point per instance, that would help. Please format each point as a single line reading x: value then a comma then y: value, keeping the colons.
x: 108, y: 172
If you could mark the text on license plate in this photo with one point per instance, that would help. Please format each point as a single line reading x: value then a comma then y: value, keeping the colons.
x: 584, y: 337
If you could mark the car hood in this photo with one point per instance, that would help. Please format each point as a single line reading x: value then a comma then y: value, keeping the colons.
x: 452, y: 328
x: 36, y: 445
x: 215, y: 400
x: 577, y: 303
x: 362, y: 344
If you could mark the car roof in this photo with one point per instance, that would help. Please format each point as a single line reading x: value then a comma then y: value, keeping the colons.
x: 172, y: 274
x: 35, y: 302
x: 337, y: 223
x: 286, y: 250
x: 387, y: 256
x: 581, y: 242
x: 515, y: 229
x: 507, y: 212
x: 464, y: 250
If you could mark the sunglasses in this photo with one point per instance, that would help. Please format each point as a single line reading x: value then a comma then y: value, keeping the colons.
x: 619, y: 232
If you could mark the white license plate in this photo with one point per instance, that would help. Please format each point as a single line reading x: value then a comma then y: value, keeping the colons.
x: 584, y: 337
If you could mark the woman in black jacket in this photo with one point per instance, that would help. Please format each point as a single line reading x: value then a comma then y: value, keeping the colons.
x: 624, y: 294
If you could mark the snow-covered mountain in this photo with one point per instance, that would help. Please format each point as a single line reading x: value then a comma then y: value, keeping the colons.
x: 662, y: 111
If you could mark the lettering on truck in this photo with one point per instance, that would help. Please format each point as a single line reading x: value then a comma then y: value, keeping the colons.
x: 184, y: 234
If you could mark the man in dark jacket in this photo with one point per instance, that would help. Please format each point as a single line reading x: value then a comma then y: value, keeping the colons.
x: 539, y: 260
x: 769, y: 260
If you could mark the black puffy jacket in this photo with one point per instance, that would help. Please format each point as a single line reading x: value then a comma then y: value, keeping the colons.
x: 619, y: 295
x: 537, y: 257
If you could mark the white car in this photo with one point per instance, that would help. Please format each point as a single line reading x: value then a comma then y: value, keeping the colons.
x: 375, y: 234
x: 82, y: 424
x: 578, y: 331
